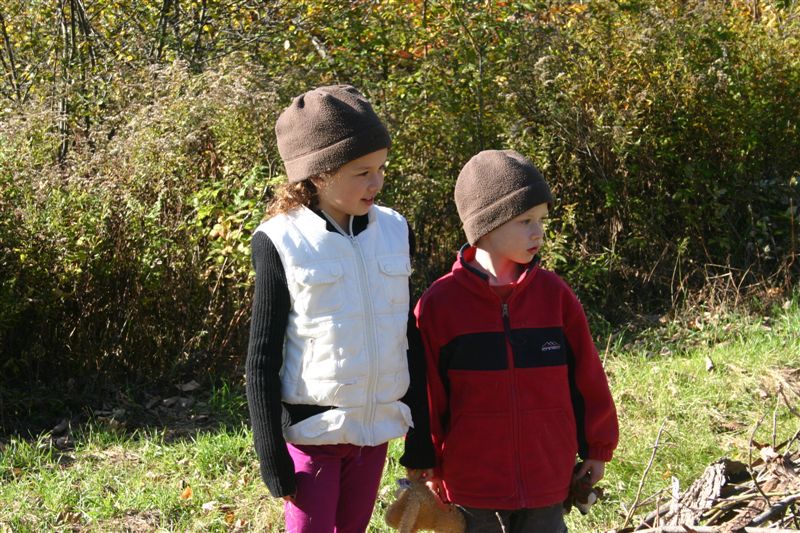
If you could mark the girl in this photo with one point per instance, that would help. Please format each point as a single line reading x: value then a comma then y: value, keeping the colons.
x: 328, y: 366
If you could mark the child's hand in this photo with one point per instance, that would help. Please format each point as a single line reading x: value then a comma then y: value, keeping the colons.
x: 434, y: 484
x: 424, y: 474
x: 437, y: 489
x: 596, y: 469
x: 582, y: 492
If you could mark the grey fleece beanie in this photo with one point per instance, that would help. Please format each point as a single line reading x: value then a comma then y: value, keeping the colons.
x: 325, y: 128
x: 494, y: 187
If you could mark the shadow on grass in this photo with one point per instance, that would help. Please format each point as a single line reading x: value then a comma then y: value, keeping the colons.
x: 176, y: 410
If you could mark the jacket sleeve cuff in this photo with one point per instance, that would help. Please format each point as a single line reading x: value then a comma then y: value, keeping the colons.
x: 418, y: 453
x: 279, y: 484
x: 600, y: 453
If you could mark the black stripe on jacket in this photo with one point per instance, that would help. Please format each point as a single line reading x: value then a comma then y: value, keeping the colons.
x: 532, y: 348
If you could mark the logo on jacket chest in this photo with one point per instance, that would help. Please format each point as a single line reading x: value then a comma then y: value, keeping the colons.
x: 551, y: 346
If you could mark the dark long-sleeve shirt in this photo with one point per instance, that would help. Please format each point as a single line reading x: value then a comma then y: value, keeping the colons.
x: 268, y: 415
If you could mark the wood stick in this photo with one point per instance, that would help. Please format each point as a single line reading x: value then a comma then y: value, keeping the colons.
x: 652, y: 516
x: 711, y: 529
x: 775, y: 416
x: 644, y: 476
x: 750, y: 461
x: 775, y: 510
x: 716, y: 514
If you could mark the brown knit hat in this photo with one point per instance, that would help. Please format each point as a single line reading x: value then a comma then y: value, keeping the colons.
x: 494, y: 187
x: 325, y: 128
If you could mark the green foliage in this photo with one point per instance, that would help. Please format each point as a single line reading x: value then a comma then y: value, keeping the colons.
x: 228, y: 402
x: 133, y: 260
x: 666, y: 127
x: 137, y: 150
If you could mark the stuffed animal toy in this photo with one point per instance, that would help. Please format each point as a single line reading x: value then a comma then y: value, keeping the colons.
x: 418, y: 509
x: 582, y: 494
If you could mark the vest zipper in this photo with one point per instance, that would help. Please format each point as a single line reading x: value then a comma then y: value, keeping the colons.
x: 372, y: 342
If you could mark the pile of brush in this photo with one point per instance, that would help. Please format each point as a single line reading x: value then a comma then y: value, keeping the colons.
x: 731, y: 496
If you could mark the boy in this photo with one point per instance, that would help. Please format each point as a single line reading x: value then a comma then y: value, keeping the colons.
x: 516, y: 386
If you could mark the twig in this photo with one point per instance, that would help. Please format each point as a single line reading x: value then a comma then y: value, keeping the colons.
x: 786, y: 401
x: 750, y: 461
x: 657, y: 521
x: 777, y: 509
x: 710, y: 529
x: 608, y: 347
x: 775, y: 417
x: 789, y: 442
x: 644, y: 475
x: 654, y: 516
x: 717, y: 512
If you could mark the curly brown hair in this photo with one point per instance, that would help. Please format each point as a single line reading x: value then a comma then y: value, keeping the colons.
x: 291, y: 195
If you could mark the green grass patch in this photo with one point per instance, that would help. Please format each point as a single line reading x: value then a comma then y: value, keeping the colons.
x: 711, y: 383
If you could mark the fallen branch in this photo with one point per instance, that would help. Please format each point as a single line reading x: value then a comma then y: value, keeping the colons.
x: 776, y: 510
x: 710, y: 529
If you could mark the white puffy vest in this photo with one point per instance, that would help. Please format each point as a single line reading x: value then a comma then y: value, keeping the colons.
x: 346, y: 340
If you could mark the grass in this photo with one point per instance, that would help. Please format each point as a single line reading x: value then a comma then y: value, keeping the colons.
x: 204, y: 476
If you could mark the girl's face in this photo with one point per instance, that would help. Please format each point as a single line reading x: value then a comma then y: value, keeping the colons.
x: 352, y: 189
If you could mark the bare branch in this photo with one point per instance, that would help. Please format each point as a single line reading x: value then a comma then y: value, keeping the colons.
x: 644, y: 476
x: 750, y: 461
x: 12, y: 67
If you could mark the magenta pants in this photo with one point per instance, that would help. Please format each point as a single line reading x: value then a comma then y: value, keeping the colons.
x: 337, y: 485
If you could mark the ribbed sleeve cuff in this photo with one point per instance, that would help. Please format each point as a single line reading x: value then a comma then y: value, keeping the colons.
x: 600, y: 453
x: 281, y: 483
x: 418, y: 453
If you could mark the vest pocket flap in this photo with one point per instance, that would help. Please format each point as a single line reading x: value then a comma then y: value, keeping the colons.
x: 319, y: 274
x: 395, y: 266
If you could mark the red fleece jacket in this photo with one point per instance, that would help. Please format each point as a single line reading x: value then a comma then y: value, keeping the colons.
x: 516, y: 389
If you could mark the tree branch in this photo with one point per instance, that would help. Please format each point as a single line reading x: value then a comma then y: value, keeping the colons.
x: 11, y: 61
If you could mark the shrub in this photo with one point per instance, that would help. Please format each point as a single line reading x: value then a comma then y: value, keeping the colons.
x: 667, y: 130
x: 133, y: 259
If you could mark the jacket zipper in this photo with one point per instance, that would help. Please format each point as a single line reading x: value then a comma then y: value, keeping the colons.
x: 515, y: 425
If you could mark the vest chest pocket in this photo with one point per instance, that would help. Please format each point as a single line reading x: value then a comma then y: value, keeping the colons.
x: 395, y: 272
x: 319, y: 289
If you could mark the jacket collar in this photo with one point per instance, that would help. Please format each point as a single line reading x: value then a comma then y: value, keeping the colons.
x: 313, y: 220
x: 478, y: 280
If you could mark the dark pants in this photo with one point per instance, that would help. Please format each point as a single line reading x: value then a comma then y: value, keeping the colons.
x: 539, y: 520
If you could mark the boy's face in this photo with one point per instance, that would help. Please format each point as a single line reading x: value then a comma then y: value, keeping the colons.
x: 519, y: 239
x: 352, y: 189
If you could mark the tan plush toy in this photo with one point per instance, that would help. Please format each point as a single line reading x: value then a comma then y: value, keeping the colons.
x: 417, y: 509
x: 582, y: 494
